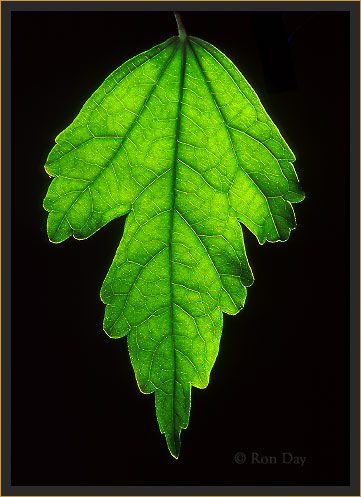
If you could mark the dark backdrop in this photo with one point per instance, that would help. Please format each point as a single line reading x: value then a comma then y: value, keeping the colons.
x: 280, y: 382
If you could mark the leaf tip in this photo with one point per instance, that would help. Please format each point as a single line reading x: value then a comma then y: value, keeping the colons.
x: 173, y: 443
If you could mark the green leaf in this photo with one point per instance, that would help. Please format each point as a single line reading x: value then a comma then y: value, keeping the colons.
x: 178, y: 140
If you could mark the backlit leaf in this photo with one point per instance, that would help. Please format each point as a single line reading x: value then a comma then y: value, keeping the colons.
x: 178, y: 140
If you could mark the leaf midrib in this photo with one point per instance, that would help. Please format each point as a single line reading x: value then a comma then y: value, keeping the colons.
x: 173, y: 190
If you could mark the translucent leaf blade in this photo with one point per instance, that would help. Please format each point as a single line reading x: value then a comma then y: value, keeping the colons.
x: 178, y: 140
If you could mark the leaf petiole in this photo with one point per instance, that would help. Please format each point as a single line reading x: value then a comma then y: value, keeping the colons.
x: 181, y: 30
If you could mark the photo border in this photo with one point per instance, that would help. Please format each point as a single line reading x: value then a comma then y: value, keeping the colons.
x: 353, y: 7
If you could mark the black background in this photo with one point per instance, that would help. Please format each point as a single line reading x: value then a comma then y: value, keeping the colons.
x: 280, y: 382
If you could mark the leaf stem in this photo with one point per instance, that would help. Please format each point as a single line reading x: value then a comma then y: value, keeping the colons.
x: 181, y: 30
